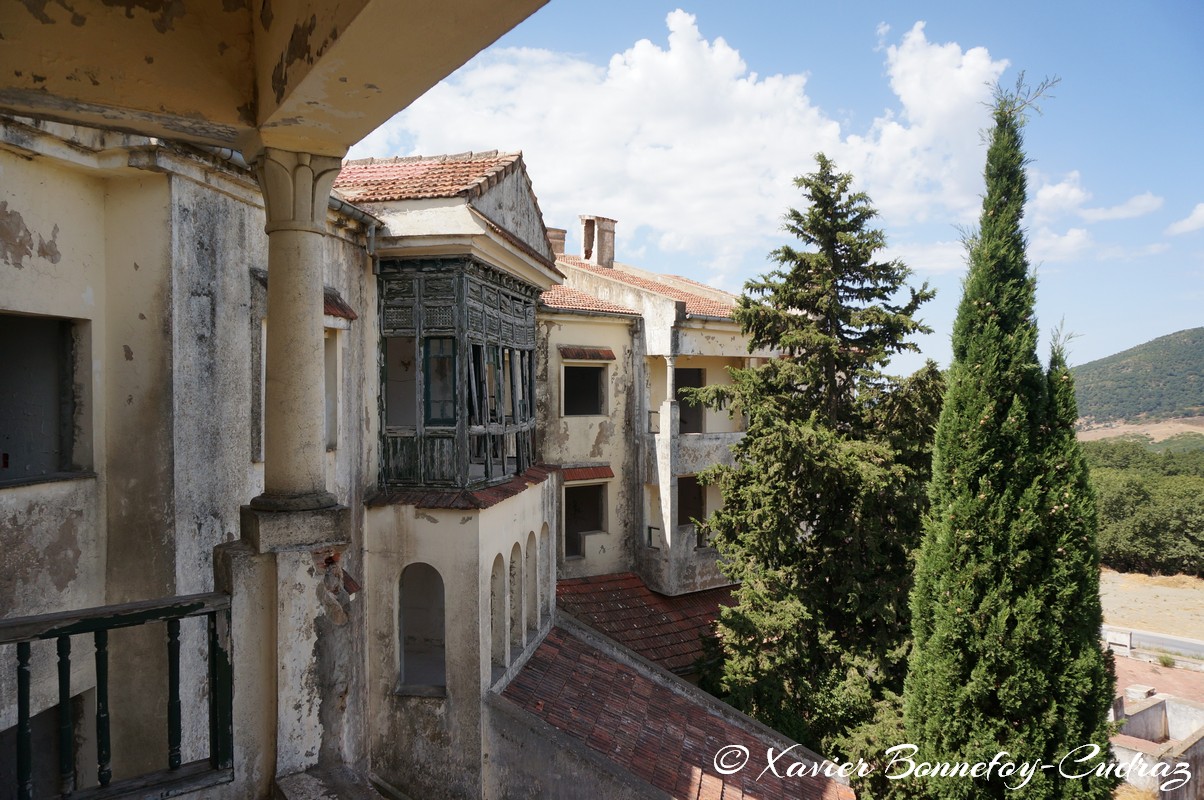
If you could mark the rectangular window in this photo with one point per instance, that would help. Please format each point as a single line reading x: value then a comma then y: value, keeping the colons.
x: 331, y: 356
x: 584, y: 391
x: 691, y: 500
x: 401, y: 382
x: 37, y: 401
x: 440, y: 375
x: 584, y: 512
x: 692, y: 416
x: 493, y: 382
x: 477, y: 394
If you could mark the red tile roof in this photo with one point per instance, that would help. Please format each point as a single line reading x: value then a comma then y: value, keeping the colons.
x: 416, y: 177
x: 662, y: 735
x: 581, y: 353
x: 587, y: 473
x: 696, y: 304
x: 568, y: 299
x: 334, y: 305
x: 663, y: 629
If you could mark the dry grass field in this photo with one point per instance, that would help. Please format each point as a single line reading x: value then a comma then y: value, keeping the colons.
x: 1157, y: 431
x: 1171, y: 604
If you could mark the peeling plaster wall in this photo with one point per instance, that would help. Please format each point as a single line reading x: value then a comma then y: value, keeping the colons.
x: 155, y: 263
x: 125, y: 56
x: 661, y: 314
x: 142, y: 514
x: 50, y: 538
x: 717, y: 338
x: 513, y: 201
x: 52, y: 534
x: 605, y: 440
x: 433, y: 746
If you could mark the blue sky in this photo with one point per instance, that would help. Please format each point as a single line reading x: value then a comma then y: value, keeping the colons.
x: 688, y: 121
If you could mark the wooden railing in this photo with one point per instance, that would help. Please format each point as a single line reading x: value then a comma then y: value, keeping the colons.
x: 177, y: 778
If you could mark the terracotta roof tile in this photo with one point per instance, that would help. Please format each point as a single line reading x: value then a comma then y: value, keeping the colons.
x: 667, y: 738
x: 667, y: 630
x: 334, y: 305
x: 586, y: 473
x: 416, y: 177
x: 582, y: 353
x: 565, y: 298
x: 695, y: 304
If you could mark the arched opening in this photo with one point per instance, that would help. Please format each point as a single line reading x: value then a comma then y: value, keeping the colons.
x: 531, y: 582
x: 497, y: 614
x: 421, y: 627
x: 547, y: 569
x: 516, y: 601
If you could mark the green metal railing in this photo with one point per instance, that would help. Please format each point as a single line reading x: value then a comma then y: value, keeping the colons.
x: 177, y: 778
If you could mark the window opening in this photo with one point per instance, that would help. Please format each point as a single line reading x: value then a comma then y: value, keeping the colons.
x: 440, y: 378
x: 401, y: 382
x: 331, y: 357
x: 691, y: 415
x: 584, y: 393
x: 422, y: 627
x: 37, y: 401
x: 691, y: 501
x: 584, y: 512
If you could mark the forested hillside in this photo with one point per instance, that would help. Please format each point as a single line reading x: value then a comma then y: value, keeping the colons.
x: 1160, y: 379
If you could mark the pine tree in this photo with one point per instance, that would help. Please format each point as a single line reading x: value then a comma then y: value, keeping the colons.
x: 1005, y: 608
x: 823, y: 507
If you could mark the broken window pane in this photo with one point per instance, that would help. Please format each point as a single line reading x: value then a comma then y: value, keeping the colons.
x: 441, y: 381
x: 401, y: 382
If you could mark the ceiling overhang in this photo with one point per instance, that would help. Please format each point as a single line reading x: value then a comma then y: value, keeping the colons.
x: 310, y: 76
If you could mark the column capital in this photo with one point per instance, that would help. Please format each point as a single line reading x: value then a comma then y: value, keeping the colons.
x: 296, y: 188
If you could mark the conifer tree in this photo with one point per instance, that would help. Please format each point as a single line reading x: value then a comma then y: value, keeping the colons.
x: 1006, y: 610
x: 823, y: 507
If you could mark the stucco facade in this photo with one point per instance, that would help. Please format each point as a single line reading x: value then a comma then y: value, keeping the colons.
x: 665, y: 333
x: 152, y: 270
x: 209, y: 568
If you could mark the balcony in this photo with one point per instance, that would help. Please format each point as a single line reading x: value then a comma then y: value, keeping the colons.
x: 67, y: 629
x: 669, y: 453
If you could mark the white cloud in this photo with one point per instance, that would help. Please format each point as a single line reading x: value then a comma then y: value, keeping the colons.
x: 930, y: 258
x: 693, y: 152
x: 1192, y: 222
x: 1048, y: 247
x: 1068, y: 197
x: 1053, y: 200
x: 1136, y: 206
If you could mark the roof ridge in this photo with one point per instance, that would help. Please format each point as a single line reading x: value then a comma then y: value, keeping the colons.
x: 696, y: 304
x: 467, y: 155
x: 468, y: 175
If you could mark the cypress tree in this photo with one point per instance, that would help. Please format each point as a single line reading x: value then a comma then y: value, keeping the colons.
x: 823, y: 507
x: 1005, y: 607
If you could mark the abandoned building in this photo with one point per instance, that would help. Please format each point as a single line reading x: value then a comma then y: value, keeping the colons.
x: 614, y: 416
x: 283, y: 500
x: 1159, y: 747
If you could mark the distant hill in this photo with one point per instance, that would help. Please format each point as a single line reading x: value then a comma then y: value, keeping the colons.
x: 1160, y: 379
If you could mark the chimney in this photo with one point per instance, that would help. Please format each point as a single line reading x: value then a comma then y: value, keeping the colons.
x: 598, y: 240
x: 556, y: 239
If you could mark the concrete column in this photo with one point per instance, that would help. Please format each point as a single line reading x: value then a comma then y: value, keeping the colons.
x: 671, y: 377
x: 296, y: 188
